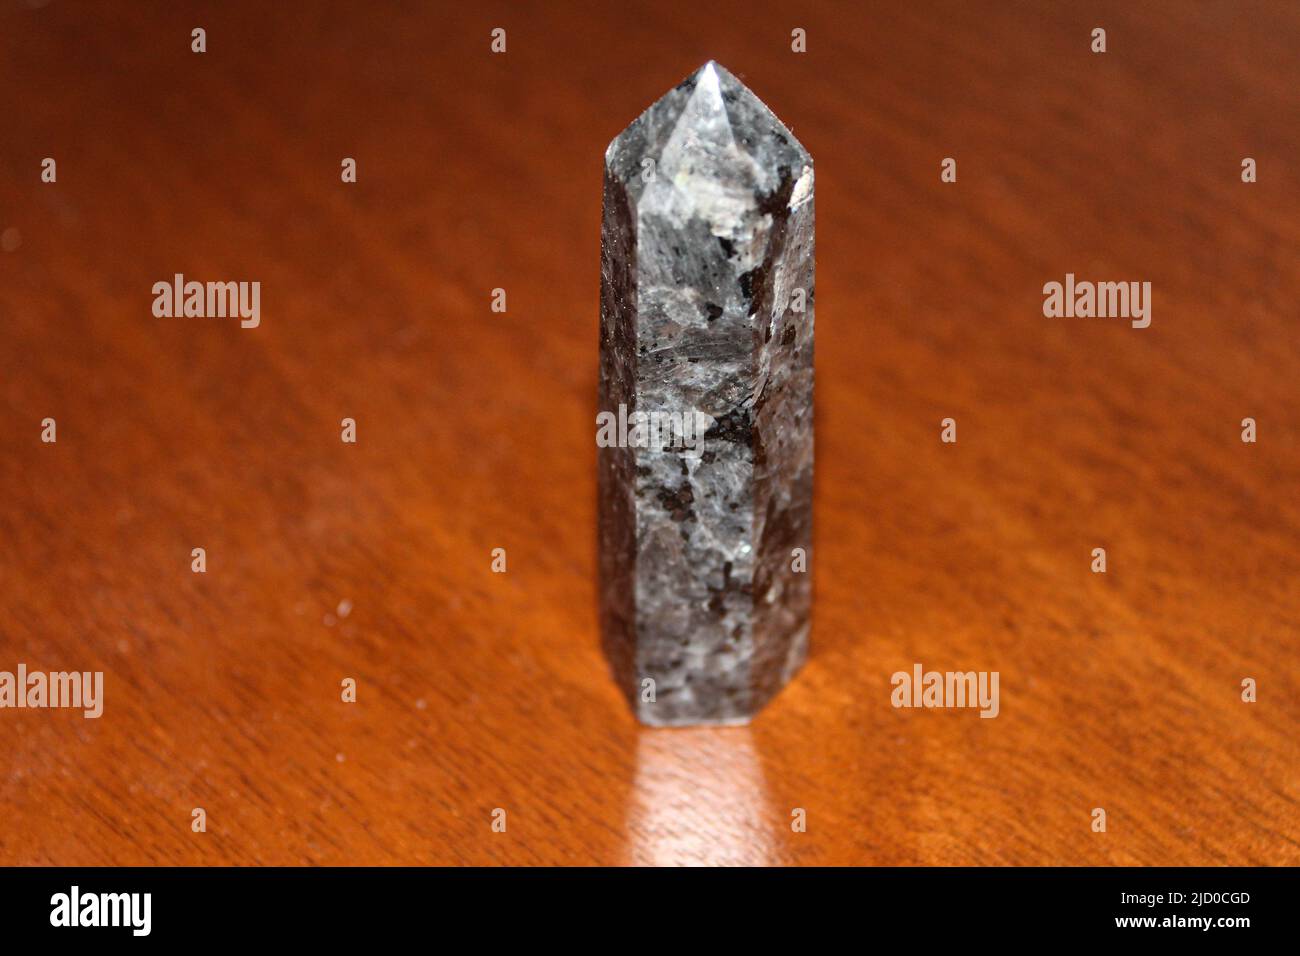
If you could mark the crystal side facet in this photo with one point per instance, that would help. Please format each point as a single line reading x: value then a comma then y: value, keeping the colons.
x: 706, y: 306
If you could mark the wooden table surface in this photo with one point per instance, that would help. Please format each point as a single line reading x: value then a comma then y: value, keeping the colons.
x: 475, y: 429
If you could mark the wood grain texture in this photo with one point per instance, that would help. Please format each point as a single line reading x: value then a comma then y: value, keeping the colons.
x: 481, y: 690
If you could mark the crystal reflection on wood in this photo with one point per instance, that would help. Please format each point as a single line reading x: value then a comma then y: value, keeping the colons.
x: 706, y: 384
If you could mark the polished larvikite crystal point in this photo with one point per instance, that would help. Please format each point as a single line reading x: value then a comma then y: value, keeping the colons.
x: 706, y: 404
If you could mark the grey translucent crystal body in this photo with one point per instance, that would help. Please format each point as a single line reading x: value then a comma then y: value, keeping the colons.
x: 707, y: 306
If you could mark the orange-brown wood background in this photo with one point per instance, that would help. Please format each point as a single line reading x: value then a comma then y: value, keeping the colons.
x: 476, y: 430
